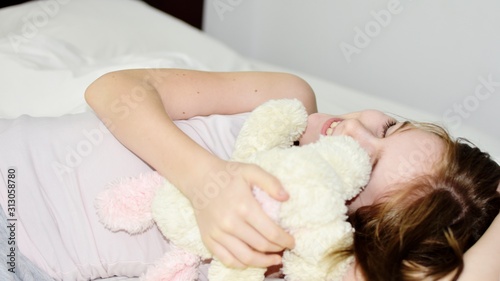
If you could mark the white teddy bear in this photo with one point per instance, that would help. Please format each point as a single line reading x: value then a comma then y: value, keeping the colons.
x: 319, y: 178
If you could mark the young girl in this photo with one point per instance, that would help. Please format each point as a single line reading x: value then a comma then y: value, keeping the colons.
x: 63, y: 163
x: 429, y: 199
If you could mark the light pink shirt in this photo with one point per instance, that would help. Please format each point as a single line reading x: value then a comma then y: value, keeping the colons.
x: 62, y: 164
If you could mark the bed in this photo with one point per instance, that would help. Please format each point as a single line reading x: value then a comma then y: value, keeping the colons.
x: 51, y: 50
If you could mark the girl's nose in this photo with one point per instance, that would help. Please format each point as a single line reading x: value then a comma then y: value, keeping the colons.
x: 363, y: 135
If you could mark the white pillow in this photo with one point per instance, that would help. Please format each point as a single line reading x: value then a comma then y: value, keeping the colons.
x: 103, y: 29
x: 52, y: 50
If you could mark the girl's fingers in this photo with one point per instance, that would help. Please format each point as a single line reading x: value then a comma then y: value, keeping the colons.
x: 267, y: 182
x: 226, y: 257
x: 259, y: 219
x: 249, y: 235
x: 272, y: 232
x: 238, y: 254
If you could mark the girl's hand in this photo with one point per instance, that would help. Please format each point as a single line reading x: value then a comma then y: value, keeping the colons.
x: 232, y: 224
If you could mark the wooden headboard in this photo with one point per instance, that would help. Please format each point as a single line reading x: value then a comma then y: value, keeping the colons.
x: 10, y: 3
x: 190, y: 11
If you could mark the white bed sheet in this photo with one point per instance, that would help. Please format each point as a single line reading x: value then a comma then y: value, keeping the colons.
x: 51, y: 50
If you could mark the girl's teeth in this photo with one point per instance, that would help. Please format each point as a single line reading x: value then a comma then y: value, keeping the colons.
x: 334, y: 124
x: 329, y: 131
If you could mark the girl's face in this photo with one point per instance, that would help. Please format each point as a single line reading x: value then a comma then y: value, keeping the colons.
x: 399, y: 151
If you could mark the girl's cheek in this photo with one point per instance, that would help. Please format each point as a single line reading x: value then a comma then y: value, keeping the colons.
x: 313, y: 129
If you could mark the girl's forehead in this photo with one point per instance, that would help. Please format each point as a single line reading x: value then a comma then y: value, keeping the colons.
x: 411, y: 153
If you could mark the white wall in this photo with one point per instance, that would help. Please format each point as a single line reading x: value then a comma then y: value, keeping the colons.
x: 436, y: 55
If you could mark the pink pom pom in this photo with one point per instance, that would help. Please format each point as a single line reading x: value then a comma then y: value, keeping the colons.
x: 176, y: 265
x: 126, y: 204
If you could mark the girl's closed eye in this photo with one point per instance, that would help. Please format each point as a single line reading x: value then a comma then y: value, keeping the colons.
x: 387, y: 125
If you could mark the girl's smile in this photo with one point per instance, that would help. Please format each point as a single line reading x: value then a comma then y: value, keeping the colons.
x: 329, y: 126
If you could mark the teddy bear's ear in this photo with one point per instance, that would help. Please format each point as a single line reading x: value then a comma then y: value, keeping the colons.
x: 276, y: 123
x: 126, y: 204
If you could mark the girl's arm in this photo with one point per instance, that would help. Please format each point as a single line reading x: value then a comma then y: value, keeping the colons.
x: 482, y: 261
x: 138, y: 107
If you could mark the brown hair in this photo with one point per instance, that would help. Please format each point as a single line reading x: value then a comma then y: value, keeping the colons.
x: 422, y: 230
